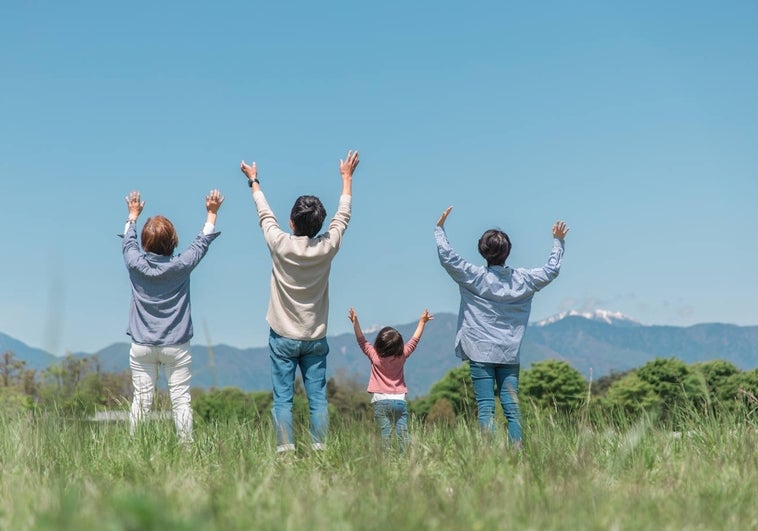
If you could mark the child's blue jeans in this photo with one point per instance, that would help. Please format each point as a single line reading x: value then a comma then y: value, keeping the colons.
x: 388, y: 413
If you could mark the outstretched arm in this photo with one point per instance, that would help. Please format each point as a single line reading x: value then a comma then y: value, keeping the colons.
x: 129, y: 246
x: 459, y: 269
x: 366, y: 347
x: 356, y: 325
x: 425, y: 318
x: 542, y: 276
x: 213, y: 202
x: 271, y: 230
x: 251, y: 172
x: 347, y: 167
x: 135, y: 205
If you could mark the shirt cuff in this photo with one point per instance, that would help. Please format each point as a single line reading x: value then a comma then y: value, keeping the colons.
x: 208, y: 228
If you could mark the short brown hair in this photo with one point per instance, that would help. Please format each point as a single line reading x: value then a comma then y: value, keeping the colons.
x: 159, y: 236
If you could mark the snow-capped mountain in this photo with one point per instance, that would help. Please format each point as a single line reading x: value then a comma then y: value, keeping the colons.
x: 605, y: 316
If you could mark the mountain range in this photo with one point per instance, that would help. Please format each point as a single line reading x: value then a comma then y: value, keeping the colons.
x: 594, y: 343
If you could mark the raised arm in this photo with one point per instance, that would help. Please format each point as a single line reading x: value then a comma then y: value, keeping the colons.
x: 251, y: 172
x: 356, y: 325
x: 366, y: 347
x: 130, y: 246
x: 272, y: 233
x: 542, y: 276
x: 213, y: 202
x: 135, y: 205
x: 425, y: 318
x: 347, y: 167
x: 461, y: 271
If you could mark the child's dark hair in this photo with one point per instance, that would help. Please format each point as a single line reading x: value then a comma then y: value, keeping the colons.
x: 495, y: 246
x: 307, y: 215
x: 388, y: 343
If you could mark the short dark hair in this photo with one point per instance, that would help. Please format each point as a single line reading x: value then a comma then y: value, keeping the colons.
x: 307, y: 216
x: 159, y: 236
x: 495, y: 246
x: 388, y: 343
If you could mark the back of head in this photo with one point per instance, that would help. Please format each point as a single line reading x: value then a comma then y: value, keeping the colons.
x: 495, y: 246
x: 307, y: 216
x: 388, y: 343
x: 159, y: 236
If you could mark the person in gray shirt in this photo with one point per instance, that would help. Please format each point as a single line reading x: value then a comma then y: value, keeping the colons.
x: 160, y: 320
x: 496, y: 301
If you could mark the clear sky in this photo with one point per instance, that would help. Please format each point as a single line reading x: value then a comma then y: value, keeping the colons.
x: 636, y: 122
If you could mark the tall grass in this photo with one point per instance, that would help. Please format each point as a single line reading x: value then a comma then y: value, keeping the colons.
x: 58, y: 473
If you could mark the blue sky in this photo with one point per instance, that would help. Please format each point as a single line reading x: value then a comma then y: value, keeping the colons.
x: 635, y: 122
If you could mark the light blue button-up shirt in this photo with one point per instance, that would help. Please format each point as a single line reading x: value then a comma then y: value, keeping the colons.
x: 495, y: 302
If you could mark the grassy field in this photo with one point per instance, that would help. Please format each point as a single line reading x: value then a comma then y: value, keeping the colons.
x: 65, y: 474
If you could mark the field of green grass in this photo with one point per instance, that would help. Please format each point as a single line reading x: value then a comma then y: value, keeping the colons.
x: 65, y: 474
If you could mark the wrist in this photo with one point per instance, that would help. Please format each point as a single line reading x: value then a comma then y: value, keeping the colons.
x: 252, y: 180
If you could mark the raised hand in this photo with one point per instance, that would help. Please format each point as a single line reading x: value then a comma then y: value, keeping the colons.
x: 426, y: 317
x: 560, y: 229
x: 213, y: 201
x: 352, y: 316
x: 250, y: 170
x: 443, y: 217
x: 347, y: 166
x: 135, y: 205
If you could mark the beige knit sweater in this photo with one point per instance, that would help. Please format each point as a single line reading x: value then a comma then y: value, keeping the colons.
x: 299, y: 304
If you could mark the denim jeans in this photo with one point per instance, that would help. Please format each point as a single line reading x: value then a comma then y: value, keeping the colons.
x: 286, y: 356
x: 485, y: 376
x: 144, y: 361
x: 387, y: 413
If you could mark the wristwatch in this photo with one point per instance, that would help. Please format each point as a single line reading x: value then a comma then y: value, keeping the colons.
x: 253, y: 180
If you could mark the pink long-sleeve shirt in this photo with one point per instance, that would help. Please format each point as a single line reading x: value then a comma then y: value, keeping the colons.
x: 387, y: 375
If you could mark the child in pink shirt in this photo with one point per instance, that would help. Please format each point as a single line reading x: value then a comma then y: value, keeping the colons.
x: 387, y: 381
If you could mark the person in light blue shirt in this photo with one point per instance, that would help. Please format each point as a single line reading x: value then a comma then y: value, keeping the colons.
x: 496, y: 301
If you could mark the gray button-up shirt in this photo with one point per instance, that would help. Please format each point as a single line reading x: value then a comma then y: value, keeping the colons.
x: 160, y: 312
x: 495, y: 302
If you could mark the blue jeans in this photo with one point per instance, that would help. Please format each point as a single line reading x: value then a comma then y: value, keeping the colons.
x: 387, y: 413
x: 286, y: 356
x: 485, y: 376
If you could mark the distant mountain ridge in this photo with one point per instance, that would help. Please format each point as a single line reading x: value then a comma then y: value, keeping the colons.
x: 592, y: 342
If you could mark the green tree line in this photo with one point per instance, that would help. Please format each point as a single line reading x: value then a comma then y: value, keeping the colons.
x: 662, y: 387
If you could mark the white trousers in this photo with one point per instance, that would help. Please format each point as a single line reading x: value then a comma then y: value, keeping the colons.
x: 176, y: 360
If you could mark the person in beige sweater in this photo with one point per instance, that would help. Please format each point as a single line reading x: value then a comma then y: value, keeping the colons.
x: 298, y: 309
